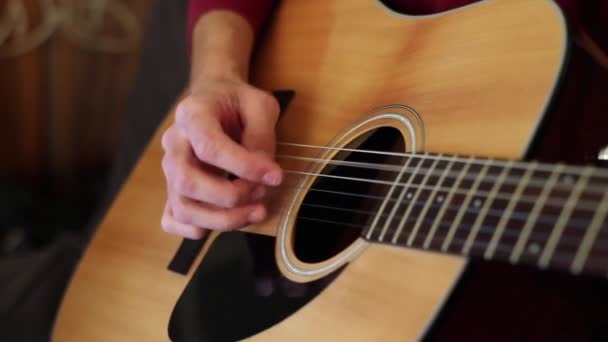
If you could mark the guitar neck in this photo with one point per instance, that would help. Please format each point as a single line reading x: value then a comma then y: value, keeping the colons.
x: 551, y: 216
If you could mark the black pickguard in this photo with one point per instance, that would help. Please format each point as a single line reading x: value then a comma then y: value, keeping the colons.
x: 221, y: 302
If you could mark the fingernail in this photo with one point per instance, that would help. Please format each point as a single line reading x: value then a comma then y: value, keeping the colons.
x: 272, y: 178
x: 258, y: 192
x: 257, y: 215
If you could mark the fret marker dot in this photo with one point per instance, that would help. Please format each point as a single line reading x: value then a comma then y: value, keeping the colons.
x: 534, y: 248
x: 477, y: 203
x: 409, y: 195
x: 568, y: 180
x: 439, y: 199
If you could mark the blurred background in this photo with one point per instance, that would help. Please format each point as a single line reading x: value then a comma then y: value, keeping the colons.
x: 67, y: 68
x: 83, y: 86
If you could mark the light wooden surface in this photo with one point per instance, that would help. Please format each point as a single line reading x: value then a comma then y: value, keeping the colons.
x: 480, y: 77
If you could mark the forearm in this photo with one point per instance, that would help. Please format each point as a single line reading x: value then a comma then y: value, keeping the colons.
x: 221, y: 34
x: 222, y: 42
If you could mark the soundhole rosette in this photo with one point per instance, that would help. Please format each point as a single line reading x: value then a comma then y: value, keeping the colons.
x: 410, y: 127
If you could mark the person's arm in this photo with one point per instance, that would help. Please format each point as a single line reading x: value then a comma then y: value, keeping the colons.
x: 222, y: 45
x: 254, y: 12
x: 223, y: 125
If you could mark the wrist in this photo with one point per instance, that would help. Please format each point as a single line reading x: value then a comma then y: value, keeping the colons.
x: 219, y: 70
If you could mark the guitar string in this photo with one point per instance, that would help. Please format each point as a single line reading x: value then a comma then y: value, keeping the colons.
x: 518, y: 216
x: 485, y: 229
x: 569, y: 241
x: 582, y: 204
x: 521, y: 216
x: 457, y: 242
x: 512, y: 180
x: 476, y: 160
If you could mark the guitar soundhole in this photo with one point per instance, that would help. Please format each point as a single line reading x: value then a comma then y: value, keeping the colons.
x: 335, y: 211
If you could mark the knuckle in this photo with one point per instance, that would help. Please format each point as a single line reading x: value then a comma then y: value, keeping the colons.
x: 184, y: 110
x: 165, y: 164
x: 165, y: 140
x: 206, y: 148
x: 165, y: 223
x: 183, y: 183
x: 172, y: 142
x: 180, y: 212
x: 270, y: 103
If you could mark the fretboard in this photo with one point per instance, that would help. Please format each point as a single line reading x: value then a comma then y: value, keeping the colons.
x: 551, y: 216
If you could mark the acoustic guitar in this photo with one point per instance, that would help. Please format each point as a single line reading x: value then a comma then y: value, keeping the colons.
x: 406, y: 144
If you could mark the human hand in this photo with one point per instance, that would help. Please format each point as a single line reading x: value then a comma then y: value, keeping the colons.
x: 223, y: 125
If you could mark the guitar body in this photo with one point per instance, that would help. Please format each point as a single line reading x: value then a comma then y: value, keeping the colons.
x: 478, y: 81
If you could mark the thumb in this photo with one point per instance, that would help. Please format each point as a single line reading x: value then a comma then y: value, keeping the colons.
x: 259, y: 114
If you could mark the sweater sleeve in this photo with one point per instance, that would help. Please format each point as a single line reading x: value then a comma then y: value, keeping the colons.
x: 255, y: 12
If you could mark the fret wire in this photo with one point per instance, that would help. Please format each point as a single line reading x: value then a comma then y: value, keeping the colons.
x: 482, y: 214
x: 523, y: 238
x: 411, y: 206
x: 563, y: 219
x: 405, y: 189
x: 585, y: 205
x: 429, y: 201
x: 590, y: 236
x: 578, y: 224
x: 571, y: 240
x: 562, y: 256
x: 387, y: 198
x: 369, y: 213
x: 476, y: 160
x: 507, y: 213
x: 484, y: 228
x: 456, y: 240
x: 447, y: 200
x: 465, y: 204
x: 394, y: 168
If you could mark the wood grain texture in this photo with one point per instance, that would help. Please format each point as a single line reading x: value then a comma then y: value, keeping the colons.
x: 480, y: 77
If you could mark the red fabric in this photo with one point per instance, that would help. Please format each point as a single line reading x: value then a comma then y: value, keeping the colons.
x: 255, y: 12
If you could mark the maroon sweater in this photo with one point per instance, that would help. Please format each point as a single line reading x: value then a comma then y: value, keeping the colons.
x: 583, y: 91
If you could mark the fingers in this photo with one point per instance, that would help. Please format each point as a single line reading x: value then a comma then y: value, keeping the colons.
x: 261, y: 111
x: 198, y: 214
x: 223, y: 127
x: 211, y: 145
x: 187, y: 180
x: 172, y: 226
x: 187, y: 177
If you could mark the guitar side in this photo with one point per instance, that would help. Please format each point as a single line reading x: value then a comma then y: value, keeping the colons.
x: 444, y: 66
